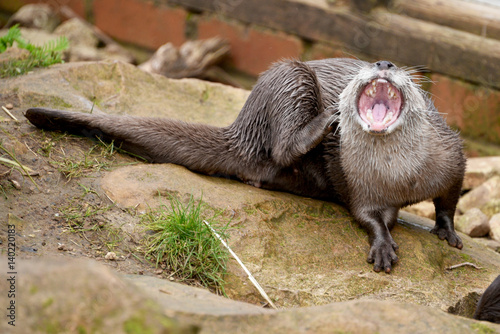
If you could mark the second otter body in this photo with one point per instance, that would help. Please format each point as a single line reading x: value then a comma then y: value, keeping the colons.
x: 344, y: 130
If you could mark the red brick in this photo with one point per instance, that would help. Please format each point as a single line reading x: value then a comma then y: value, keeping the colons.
x: 78, y: 6
x: 475, y: 110
x: 140, y: 22
x: 252, y: 50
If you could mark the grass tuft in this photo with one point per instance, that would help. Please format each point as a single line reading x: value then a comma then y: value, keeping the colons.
x: 93, y: 160
x: 39, y: 56
x: 180, y: 242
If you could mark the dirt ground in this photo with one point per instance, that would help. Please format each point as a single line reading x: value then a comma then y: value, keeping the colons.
x: 62, y: 214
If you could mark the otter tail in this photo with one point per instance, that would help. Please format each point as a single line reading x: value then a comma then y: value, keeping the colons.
x: 201, y: 148
x: 488, y: 307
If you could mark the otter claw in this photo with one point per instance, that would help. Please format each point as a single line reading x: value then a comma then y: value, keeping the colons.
x: 450, y: 235
x: 383, y: 256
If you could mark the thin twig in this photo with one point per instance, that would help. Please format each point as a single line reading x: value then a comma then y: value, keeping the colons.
x: 110, y: 199
x: 36, y: 155
x: 11, y: 155
x: 8, y: 113
x: 75, y: 243
x: 250, y: 276
x: 462, y: 265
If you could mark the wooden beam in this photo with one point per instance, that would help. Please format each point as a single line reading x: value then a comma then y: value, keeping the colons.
x: 381, y: 34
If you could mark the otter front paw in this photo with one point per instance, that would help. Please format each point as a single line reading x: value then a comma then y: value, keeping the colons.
x: 383, y: 255
x: 448, y: 234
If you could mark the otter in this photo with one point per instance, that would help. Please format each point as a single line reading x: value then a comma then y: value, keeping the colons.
x: 488, y: 307
x: 361, y: 134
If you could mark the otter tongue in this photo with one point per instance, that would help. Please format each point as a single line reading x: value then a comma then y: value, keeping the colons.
x: 379, y: 112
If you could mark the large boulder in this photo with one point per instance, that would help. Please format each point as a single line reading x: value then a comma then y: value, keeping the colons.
x: 56, y: 295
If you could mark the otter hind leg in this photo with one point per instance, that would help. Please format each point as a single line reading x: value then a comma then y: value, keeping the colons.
x: 445, y: 206
x: 445, y: 228
x: 304, y: 120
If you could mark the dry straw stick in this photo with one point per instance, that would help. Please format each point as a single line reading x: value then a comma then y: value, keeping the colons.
x: 250, y: 276
x: 8, y: 113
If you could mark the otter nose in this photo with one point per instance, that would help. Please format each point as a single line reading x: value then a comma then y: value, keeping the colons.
x: 384, y: 65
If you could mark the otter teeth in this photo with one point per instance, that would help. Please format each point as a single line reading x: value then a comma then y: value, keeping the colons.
x: 371, y: 92
x: 388, y: 117
x: 369, y: 115
x: 391, y: 93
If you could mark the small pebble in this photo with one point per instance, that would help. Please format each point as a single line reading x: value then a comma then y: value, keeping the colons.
x: 16, y: 184
x: 61, y: 247
x: 111, y: 256
x: 9, y: 106
x: 159, y: 272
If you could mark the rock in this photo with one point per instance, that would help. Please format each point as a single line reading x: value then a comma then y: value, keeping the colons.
x: 473, y: 223
x: 466, y: 306
x: 122, y: 88
x: 178, y: 298
x: 305, y: 252
x: 495, y: 227
x: 80, y: 296
x: 34, y: 36
x: 480, y: 196
x: 13, y: 53
x: 479, y: 170
x: 111, y: 256
x: 60, y: 295
x: 424, y: 209
x: 36, y: 16
x: 490, y: 243
x: 77, y: 32
x: 84, y: 43
x: 492, y: 207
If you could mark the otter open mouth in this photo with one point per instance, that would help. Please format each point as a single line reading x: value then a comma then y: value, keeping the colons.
x: 379, y: 105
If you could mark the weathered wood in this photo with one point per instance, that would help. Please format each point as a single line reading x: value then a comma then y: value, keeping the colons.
x: 471, y: 17
x: 441, y: 49
x: 382, y: 34
x: 191, y: 60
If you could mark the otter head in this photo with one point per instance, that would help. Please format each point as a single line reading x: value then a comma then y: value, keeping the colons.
x: 377, y: 98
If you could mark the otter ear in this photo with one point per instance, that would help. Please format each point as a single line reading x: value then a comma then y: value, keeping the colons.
x: 488, y: 307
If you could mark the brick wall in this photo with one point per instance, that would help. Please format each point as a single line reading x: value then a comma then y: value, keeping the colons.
x: 473, y: 108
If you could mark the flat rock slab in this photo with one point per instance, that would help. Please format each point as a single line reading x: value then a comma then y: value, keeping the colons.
x: 308, y: 252
x: 61, y: 295
x: 120, y: 88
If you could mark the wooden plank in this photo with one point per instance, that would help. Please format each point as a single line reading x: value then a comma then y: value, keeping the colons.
x: 467, y: 16
x: 382, y: 35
